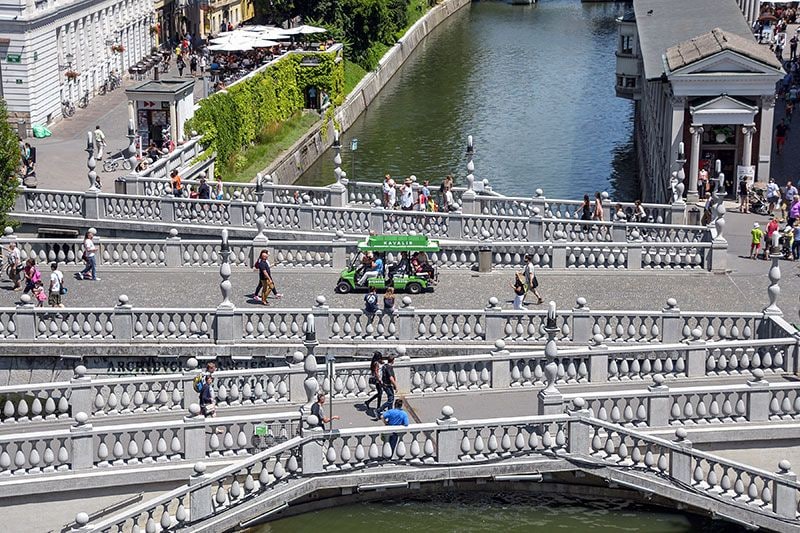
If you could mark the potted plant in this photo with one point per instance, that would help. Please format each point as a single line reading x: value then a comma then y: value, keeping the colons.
x: 118, y: 48
x: 72, y: 75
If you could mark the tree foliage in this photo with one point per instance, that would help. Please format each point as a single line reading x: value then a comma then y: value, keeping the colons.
x: 9, y: 164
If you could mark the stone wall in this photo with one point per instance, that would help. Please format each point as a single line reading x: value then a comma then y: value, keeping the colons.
x: 308, y: 149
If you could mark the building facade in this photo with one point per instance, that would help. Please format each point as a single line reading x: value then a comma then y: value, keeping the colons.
x: 53, y: 50
x: 711, y: 88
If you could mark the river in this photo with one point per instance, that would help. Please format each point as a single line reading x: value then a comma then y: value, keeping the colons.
x: 534, y: 86
x: 506, y: 512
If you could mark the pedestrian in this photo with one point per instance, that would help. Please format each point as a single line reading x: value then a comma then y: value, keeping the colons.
x: 388, y: 301
x: 756, y: 234
x: 204, y: 191
x: 597, y: 213
x: 177, y: 187
x: 391, y: 194
x: 389, y: 384
x: 318, y: 410
x: 371, y: 301
x: 530, y: 279
x: 424, y: 196
x: 31, y: 274
x: 793, y: 48
x: 619, y: 213
x: 586, y: 208
x: 519, y: 291
x: 375, y: 380
x: 773, y: 195
x: 265, y: 282
x: 407, y: 195
x: 57, y: 288
x: 395, y: 417
x: 203, y: 64
x: 13, y: 264
x: 193, y: 65
x: 99, y: 142
x: 443, y: 188
x: 449, y: 199
x: 40, y: 294
x: 208, y: 398
x: 639, y: 214
x: 796, y: 241
x: 780, y: 135
x: 772, y: 227
x: 789, y: 192
x: 794, y: 211
x: 88, y: 256
x: 744, y: 196
x: 702, y: 182
x: 181, y: 65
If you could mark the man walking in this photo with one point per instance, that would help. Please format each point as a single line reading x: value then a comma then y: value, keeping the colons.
x: 56, y: 284
x: 530, y: 279
x: 265, y: 282
x: 99, y: 142
x: 395, y: 417
x: 389, y: 384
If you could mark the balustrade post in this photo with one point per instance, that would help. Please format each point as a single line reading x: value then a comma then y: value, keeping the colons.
x: 82, y: 442
x: 194, y: 433
x: 339, y: 251
x: 448, y: 443
x: 635, y: 245
x: 20, y: 203
x: 173, y: 256
x: 25, y: 318
x: 455, y: 226
x: 168, y: 207
x: 535, y: 230
x: 580, y: 436
x: 581, y: 322
x: 305, y: 214
x: 190, y: 394
x: 758, y: 397
x: 81, y: 397
x: 91, y: 205
x: 784, y: 499
x: 297, y: 377
x: 494, y: 320
x: 8, y: 236
x: 559, y: 249
x: 268, y: 190
x: 311, y: 450
x: 260, y: 241
x: 671, y: 331
x: 470, y: 205
x: 658, y: 403
x: 680, y: 464
x: 677, y: 213
x: 696, y: 355
x: 402, y: 371
x: 717, y: 256
x: 236, y: 209
x: 539, y: 202
x: 122, y: 319
x: 619, y: 231
x: 606, y: 201
x: 321, y: 313
x: 337, y: 196
x: 598, y: 360
x: 405, y: 320
x: 376, y: 216
x: 227, y: 324
x: 201, y: 501
x: 500, y: 366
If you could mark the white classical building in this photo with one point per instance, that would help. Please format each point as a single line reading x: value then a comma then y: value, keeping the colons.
x: 52, y: 50
x: 697, y: 76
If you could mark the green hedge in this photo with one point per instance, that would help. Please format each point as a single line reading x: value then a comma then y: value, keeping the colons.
x: 231, y: 120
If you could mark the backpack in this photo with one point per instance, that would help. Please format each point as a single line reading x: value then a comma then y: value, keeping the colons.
x: 197, y: 383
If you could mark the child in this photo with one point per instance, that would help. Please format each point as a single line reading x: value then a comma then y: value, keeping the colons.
x: 388, y: 301
x: 519, y: 291
x: 755, y: 243
x: 39, y: 294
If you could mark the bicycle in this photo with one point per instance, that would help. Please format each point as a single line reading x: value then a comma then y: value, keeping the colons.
x: 67, y: 108
x: 113, y: 163
x: 84, y: 101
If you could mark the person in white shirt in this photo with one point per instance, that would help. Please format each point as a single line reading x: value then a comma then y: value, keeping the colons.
x: 407, y: 195
x: 89, y: 250
x: 56, y: 283
x: 773, y: 195
x: 99, y: 142
x: 449, y: 200
x: 13, y: 264
x: 388, y: 189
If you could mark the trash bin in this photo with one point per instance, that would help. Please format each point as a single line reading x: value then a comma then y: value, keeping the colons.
x: 22, y: 131
x: 484, y: 259
x: 119, y: 186
x: 694, y: 216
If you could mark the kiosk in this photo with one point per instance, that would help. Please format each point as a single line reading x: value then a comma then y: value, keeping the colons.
x: 160, y: 106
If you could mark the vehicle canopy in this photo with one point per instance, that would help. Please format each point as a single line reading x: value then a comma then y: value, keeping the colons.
x: 398, y: 243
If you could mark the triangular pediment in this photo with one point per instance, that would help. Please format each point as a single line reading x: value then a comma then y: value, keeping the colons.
x: 726, y: 62
x: 724, y: 103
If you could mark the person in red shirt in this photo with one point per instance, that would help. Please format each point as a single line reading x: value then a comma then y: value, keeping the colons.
x: 772, y: 227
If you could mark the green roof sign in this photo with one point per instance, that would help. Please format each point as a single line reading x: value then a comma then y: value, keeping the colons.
x: 14, y: 58
x: 399, y: 243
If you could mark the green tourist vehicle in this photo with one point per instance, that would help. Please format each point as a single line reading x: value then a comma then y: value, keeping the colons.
x: 410, y: 270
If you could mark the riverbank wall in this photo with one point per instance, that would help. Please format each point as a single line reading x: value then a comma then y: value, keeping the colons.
x: 291, y: 165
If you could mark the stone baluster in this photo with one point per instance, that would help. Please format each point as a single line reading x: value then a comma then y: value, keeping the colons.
x: 173, y: 256
x: 758, y: 397
x: 680, y: 464
x: 535, y: 229
x: 339, y: 250
x: 581, y: 322
x: 201, y: 502
x: 338, y: 191
x: 82, y: 442
x: 671, y: 322
x: 447, y: 437
x: 500, y: 366
x: 81, y: 395
x: 677, y: 211
x: 311, y: 384
x: 405, y: 320
x: 658, y: 403
x: 598, y: 359
x: 122, y: 319
x: 774, y: 289
x: 550, y: 398
x: 25, y: 318
x: 227, y: 326
x: 719, y: 209
x: 469, y: 200
x: 580, y: 438
x: 260, y: 241
x: 784, y: 495
x: 494, y: 320
x: 696, y: 355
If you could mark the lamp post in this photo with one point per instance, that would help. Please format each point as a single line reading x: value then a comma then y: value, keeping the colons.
x: 330, y: 370
x: 353, y: 149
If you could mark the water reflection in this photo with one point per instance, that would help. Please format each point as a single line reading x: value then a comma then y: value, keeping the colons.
x: 533, y: 84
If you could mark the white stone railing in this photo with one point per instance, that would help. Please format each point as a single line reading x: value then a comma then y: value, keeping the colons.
x: 478, y: 448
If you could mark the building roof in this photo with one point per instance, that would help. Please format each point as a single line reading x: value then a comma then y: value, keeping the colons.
x: 662, y: 24
x: 164, y: 86
x: 713, y: 42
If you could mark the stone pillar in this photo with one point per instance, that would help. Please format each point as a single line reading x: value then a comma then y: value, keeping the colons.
x: 168, y: 207
x: 306, y: 215
x: 91, y: 204
x: 123, y: 319
x: 173, y: 121
x: 535, y: 231
x: 25, y: 318
x: 405, y: 321
x: 581, y: 322
x: 774, y: 289
x: 606, y: 201
x: 494, y: 320
x: 696, y: 356
x: 765, y: 136
x: 694, y: 163
x: 678, y: 115
x: 260, y: 241
x: 580, y: 437
x: 173, y: 256
x: 201, y: 503
x: 376, y: 216
x: 339, y: 251
x: 671, y: 328
x: 194, y: 433
x: 297, y: 377
x: 658, y: 403
x: 758, y: 397
x: 560, y: 249
x: 598, y: 360
x: 227, y: 325
x: 311, y: 451
x: 747, y: 149
x: 448, y: 443
x: 680, y: 464
x: 783, y: 494
x: 500, y: 366
x: 321, y: 315
x: 402, y: 372
x: 190, y: 394
x: 619, y: 231
x: 82, y: 442
x: 236, y: 209
x: 550, y: 398
x: 81, y: 397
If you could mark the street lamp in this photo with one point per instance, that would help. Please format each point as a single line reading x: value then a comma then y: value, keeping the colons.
x: 330, y: 359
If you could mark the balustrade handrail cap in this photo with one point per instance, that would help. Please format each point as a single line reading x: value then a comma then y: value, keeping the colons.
x: 149, y: 378
x: 36, y: 387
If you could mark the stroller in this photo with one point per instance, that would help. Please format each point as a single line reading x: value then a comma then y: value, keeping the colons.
x: 785, y: 241
x: 758, y: 201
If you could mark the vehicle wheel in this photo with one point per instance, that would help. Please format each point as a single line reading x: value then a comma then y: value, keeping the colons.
x: 101, y: 90
x: 68, y: 111
x: 83, y: 102
x: 126, y: 164
x: 109, y: 166
x: 343, y: 287
x: 414, y: 288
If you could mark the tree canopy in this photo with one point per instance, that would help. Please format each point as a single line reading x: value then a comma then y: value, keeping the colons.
x: 9, y: 164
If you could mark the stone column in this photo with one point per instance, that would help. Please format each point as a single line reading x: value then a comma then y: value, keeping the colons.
x: 500, y: 366
x: 123, y: 319
x: 765, y: 136
x: 173, y: 256
x: 758, y: 397
x: 694, y: 162
x: 173, y: 121
x: 680, y: 465
x: 678, y: 115
x: 658, y: 403
x: 783, y: 499
x: 747, y: 150
x: 580, y: 438
x: 201, y: 502
x: 447, y: 441
x: 550, y: 398
x: 581, y: 322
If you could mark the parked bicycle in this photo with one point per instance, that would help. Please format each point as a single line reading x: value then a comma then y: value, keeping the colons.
x: 67, y: 108
x: 84, y: 101
x: 113, y: 163
x: 112, y: 82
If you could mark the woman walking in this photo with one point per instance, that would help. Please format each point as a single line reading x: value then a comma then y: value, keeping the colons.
x: 89, y: 251
x: 375, y: 379
x: 586, y: 208
x: 598, y: 207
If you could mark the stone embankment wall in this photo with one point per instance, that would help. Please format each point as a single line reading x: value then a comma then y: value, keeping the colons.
x: 307, y: 150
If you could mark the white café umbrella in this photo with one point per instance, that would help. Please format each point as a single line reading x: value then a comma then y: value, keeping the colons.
x: 305, y: 30
x: 241, y: 46
x: 273, y: 34
x: 263, y: 43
